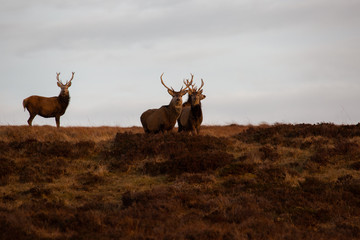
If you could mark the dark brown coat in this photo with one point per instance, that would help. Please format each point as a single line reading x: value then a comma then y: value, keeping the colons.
x: 191, y: 116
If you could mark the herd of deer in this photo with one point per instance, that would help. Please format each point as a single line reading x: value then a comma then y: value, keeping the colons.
x: 163, y: 119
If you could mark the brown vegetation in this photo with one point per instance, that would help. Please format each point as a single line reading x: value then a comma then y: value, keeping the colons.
x: 230, y: 182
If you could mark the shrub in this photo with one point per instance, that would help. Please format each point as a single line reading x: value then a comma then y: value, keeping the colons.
x: 7, y: 168
x: 181, y: 152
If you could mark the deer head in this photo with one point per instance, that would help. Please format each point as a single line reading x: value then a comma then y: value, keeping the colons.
x: 195, y: 95
x: 176, y: 96
x: 64, y: 87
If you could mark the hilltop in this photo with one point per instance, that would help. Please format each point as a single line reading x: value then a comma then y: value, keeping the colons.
x: 278, y: 181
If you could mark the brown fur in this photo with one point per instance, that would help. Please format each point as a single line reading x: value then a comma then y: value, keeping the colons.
x: 48, y: 107
x: 191, y: 116
x: 160, y: 120
x: 190, y: 119
x: 164, y: 118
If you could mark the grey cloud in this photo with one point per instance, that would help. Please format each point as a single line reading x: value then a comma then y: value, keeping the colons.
x: 245, y: 51
x: 130, y: 22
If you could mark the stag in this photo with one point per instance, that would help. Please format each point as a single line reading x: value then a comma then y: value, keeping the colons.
x: 49, y: 107
x: 164, y: 118
x: 191, y: 115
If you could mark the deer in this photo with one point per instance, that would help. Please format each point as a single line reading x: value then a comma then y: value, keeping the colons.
x: 49, y: 107
x: 164, y: 118
x: 191, y: 115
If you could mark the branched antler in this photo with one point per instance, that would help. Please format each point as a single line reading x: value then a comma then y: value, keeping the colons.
x: 165, y: 85
x: 202, y: 84
x: 188, y: 83
x: 68, y: 82
x: 57, y: 78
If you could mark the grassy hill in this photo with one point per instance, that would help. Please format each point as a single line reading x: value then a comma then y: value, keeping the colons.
x: 231, y: 182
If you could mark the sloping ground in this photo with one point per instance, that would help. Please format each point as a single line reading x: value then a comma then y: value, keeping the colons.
x: 232, y: 182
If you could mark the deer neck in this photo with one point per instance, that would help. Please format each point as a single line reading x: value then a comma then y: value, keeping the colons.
x: 175, y: 110
x: 64, y: 99
x: 196, y: 110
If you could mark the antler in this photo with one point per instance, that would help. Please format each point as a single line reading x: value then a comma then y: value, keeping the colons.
x: 67, y: 82
x: 57, y: 78
x: 189, y: 83
x: 202, y: 84
x: 165, y: 85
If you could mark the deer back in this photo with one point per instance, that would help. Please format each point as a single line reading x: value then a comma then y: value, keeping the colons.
x: 44, y: 106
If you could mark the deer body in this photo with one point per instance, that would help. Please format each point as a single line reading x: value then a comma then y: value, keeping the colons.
x: 164, y: 118
x: 191, y: 116
x: 190, y: 119
x: 48, y: 107
x: 160, y: 120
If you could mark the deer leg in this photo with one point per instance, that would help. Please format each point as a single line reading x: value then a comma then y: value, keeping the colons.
x: 180, y: 128
x: 198, y: 130
x: 193, y: 130
x: 57, y: 119
x: 31, y: 118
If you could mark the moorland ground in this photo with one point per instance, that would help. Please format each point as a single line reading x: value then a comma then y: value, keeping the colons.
x: 232, y: 182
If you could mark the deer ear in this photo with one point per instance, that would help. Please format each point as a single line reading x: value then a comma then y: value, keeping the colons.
x: 203, y: 96
x: 59, y: 85
x: 69, y: 84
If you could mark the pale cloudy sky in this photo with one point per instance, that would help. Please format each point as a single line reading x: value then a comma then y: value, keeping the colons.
x: 261, y: 60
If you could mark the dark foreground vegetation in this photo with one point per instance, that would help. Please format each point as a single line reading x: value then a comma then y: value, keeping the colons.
x: 231, y: 182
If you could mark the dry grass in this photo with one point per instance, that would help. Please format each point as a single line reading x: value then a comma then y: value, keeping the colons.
x: 68, y: 134
x: 231, y: 182
x: 96, y: 134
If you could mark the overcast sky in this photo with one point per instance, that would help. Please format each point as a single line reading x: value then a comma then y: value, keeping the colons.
x: 261, y: 60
